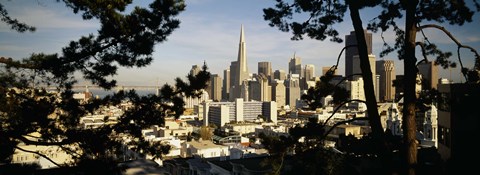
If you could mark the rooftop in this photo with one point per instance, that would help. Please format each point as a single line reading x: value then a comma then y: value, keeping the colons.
x: 204, y: 144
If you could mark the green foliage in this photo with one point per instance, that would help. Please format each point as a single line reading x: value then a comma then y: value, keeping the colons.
x: 125, y: 39
x: 426, y: 98
x: 322, y: 89
x: 453, y: 12
x: 322, y: 15
x: 14, y: 23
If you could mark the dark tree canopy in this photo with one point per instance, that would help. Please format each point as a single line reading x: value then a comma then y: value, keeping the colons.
x: 125, y: 39
x: 315, y: 19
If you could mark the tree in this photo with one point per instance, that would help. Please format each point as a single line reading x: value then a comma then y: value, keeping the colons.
x: 323, y: 88
x: 206, y: 133
x: 125, y: 39
x: 322, y: 14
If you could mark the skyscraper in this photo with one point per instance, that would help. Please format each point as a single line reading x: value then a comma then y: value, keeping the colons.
x: 216, y: 87
x: 386, y: 70
x: 279, y: 75
x: 292, y: 88
x: 356, y: 70
x: 195, y: 70
x: 429, y: 72
x: 259, y: 89
x: 352, y: 51
x: 309, y: 72
x: 233, y: 71
x: 226, y: 84
x: 278, y: 92
x: 241, y: 69
x: 295, y: 66
x: 265, y: 68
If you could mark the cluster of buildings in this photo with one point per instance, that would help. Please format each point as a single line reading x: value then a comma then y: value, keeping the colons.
x: 241, y: 106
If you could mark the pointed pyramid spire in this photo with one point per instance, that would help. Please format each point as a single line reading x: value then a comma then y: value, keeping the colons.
x: 242, y: 37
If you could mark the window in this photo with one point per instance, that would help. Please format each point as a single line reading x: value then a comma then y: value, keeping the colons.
x: 444, y: 102
x: 441, y: 136
x: 447, y: 137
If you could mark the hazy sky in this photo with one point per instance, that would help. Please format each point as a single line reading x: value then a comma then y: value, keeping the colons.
x: 209, y: 31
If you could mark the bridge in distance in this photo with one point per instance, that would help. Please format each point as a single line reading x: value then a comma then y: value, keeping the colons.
x: 90, y: 87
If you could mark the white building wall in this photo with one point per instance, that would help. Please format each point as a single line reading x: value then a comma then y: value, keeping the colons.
x: 356, y: 89
x: 239, y: 109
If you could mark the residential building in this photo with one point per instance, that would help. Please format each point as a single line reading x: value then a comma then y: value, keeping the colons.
x: 203, y: 149
x: 458, y: 124
x: 430, y: 127
x: 220, y: 113
x: 394, y: 120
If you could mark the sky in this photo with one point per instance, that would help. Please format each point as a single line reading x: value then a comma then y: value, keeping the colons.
x: 210, y: 31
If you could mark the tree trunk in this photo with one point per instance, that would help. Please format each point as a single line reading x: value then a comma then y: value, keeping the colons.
x: 371, y: 102
x: 409, y: 125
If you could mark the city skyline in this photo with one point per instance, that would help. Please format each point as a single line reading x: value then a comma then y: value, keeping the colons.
x: 208, y: 32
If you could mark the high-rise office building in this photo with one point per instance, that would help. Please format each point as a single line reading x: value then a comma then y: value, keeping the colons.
x: 226, y: 84
x: 259, y: 89
x: 233, y: 70
x: 216, y: 87
x: 265, y: 68
x: 292, y: 87
x: 295, y: 66
x: 429, y: 72
x: 279, y: 75
x: 278, y: 92
x: 195, y: 70
x: 386, y: 70
x: 309, y: 72
x: 357, y: 70
x: 241, y: 70
x: 350, y: 52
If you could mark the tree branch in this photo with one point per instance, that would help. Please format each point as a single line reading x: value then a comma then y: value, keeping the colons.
x: 345, y: 78
x: 459, y: 45
x: 11, y: 63
x: 338, y: 107
x: 341, y: 52
x: 31, y: 142
x: 37, y: 153
x: 424, y: 52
